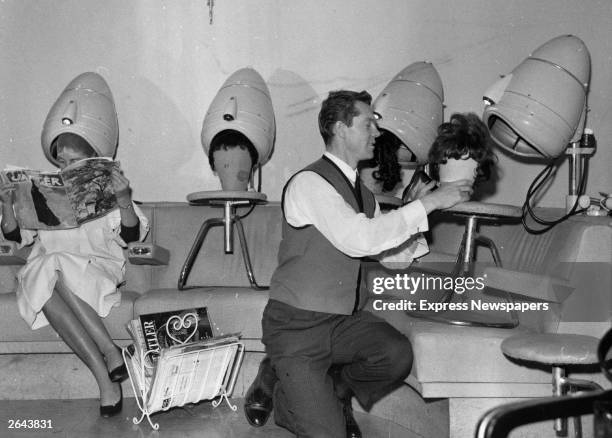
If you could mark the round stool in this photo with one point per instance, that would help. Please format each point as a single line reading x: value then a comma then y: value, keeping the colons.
x: 473, y: 212
x: 558, y: 350
x: 229, y: 200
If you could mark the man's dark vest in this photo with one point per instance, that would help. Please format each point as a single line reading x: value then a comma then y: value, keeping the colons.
x: 313, y: 274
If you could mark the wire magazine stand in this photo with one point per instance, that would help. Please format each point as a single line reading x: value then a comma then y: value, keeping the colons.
x: 184, y: 373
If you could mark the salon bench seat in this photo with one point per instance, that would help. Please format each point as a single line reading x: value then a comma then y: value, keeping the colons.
x: 458, y: 371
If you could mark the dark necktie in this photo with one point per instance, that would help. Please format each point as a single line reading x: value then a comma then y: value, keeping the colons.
x: 357, y: 191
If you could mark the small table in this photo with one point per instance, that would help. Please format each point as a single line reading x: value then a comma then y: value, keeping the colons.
x: 229, y: 200
x: 464, y: 264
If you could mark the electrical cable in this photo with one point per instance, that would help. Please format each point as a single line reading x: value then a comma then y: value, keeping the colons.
x: 259, y: 190
x: 535, y: 186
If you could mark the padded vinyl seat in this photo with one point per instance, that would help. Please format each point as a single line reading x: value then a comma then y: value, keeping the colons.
x: 558, y: 350
x: 552, y: 348
x: 486, y: 210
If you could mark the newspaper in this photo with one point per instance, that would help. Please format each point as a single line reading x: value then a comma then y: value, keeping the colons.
x: 188, y: 377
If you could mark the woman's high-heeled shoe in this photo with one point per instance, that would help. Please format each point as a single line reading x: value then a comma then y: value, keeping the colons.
x: 118, y: 374
x: 112, y: 410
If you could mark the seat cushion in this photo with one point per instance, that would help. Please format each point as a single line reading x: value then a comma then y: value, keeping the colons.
x: 14, y: 329
x: 552, y: 348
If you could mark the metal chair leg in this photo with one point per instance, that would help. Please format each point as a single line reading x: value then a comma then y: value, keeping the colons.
x: 245, y: 255
x: 199, y: 240
x: 491, y: 245
x: 195, y: 249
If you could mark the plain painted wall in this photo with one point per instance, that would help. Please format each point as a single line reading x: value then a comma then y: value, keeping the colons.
x: 165, y: 62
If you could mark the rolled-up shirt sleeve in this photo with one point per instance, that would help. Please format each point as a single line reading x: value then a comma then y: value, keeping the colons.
x: 311, y: 200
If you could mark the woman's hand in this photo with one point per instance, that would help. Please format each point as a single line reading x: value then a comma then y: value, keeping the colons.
x: 121, y: 185
x: 9, y: 222
x: 6, y: 192
x: 123, y: 193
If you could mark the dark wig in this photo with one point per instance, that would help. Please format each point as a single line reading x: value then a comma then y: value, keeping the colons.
x: 385, y: 158
x: 465, y: 135
x: 229, y: 139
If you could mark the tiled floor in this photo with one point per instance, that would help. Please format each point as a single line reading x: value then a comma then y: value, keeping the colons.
x: 80, y: 419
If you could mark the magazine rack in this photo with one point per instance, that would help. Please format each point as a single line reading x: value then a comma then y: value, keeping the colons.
x: 229, y: 200
x: 185, y: 373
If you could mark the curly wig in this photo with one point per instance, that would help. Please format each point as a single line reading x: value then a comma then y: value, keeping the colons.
x: 385, y: 158
x: 464, y: 136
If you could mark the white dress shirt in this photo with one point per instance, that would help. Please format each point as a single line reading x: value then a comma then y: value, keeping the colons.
x: 393, y: 238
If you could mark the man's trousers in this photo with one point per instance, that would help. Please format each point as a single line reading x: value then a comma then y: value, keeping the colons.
x: 303, y: 345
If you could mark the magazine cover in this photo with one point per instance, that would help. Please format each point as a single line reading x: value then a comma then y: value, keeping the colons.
x: 165, y: 329
x: 62, y: 199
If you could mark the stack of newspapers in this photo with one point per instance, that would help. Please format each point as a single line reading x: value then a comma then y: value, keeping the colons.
x: 175, y: 359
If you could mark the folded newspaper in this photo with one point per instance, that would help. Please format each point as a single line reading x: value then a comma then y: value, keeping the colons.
x: 62, y: 199
x: 193, y: 372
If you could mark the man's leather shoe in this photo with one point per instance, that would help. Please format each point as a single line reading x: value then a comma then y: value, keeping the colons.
x: 258, y: 399
x: 345, y: 394
x: 352, y: 428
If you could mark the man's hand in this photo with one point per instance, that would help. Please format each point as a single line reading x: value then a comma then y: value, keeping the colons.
x: 418, y: 191
x: 447, y: 195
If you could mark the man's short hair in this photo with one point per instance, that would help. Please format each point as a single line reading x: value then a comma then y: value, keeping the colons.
x: 228, y: 139
x: 340, y: 106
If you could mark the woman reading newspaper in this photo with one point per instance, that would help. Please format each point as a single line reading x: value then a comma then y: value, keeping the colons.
x: 71, y: 275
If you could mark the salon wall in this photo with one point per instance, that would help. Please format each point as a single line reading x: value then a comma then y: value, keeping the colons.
x: 165, y: 61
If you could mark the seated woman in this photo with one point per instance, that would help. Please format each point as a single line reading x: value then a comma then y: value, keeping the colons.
x: 71, y: 276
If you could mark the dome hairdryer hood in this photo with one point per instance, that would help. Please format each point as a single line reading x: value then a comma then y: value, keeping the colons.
x: 242, y: 104
x: 535, y: 110
x: 85, y: 108
x: 411, y: 107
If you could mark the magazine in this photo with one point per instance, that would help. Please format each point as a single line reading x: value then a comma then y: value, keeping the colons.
x: 62, y: 199
x: 165, y: 329
x: 138, y: 351
x: 175, y: 359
